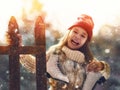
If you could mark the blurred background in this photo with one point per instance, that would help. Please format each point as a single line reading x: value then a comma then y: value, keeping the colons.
x: 58, y: 15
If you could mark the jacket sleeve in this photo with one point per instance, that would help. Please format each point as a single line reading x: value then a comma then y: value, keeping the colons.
x: 106, y: 71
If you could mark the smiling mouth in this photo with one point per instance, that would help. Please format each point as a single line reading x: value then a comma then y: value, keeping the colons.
x: 74, y: 42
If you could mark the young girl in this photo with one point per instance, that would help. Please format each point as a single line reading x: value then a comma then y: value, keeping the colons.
x: 70, y: 64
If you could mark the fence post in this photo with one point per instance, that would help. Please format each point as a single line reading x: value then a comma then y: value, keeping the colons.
x: 14, y: 67
x: 40, y: 56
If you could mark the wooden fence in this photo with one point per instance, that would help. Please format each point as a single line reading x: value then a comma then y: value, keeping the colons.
x: 14, y: 49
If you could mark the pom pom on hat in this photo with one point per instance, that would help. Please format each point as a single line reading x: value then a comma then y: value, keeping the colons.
x: 86, y: 22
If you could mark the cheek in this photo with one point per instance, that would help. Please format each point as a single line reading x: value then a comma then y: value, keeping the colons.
x: 83, y: 42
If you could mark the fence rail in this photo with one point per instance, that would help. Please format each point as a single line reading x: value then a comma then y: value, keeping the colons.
x: 14, y: 49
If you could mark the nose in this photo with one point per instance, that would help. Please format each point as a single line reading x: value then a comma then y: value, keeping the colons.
x: 77, y: 38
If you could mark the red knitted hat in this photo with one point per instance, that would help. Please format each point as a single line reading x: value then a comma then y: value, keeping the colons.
x: 86, y: 22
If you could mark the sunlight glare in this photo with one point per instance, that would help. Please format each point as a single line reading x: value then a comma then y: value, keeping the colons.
x: 66, y: 11
x: 8, y: 8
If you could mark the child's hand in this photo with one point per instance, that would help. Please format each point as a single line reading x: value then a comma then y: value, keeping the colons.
x: 95, y: 66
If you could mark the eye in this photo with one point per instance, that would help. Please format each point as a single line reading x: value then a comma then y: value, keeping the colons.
x: 75, y: 31
x: 83, y: 36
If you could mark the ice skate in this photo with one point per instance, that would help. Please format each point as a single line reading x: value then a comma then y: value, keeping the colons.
x: 91, y: 79
x: 53, y: 69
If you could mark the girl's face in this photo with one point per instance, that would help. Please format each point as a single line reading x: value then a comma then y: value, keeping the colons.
x: 77, y: 38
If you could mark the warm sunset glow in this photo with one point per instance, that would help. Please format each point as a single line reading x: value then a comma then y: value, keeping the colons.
x: 7, y: 9
x: 66, y: 11
x: 18, y: 8
x: 61, y: 13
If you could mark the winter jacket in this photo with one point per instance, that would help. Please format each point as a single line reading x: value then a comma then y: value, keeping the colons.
x: 71, y: 65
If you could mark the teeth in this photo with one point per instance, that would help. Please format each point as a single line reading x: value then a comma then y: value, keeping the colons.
x: 75, y: 43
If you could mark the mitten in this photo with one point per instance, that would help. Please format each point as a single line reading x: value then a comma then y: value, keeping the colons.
x: 28, y: 61
x: 53, y: 69
x: 74, y: 55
